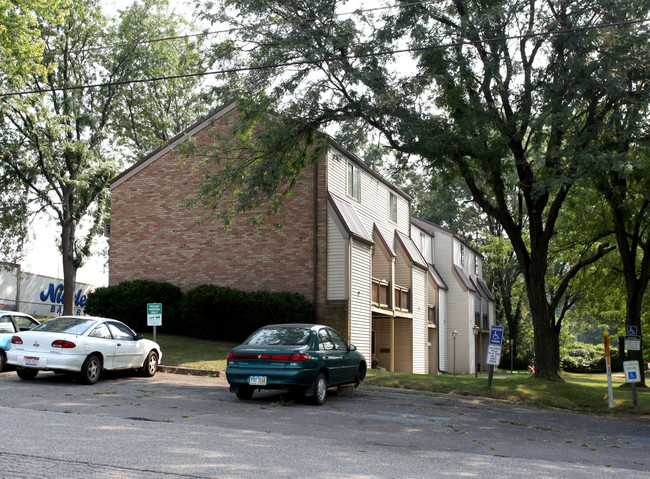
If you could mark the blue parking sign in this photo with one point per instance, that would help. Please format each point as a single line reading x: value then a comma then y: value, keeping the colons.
x: 632, y: 330
x: 496, y: 335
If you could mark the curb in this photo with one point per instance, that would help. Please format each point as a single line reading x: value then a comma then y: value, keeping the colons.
x: 188, y: 371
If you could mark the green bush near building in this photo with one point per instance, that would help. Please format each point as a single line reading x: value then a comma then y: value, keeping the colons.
x: 128, y: 301
x: 208, y: 312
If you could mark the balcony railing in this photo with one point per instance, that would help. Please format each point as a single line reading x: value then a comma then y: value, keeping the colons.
x: 402, y: 298
x: 381, y: 296
x: 380, y: 292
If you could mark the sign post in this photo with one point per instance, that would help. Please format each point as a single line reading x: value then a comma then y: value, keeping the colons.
x: 494, y: 350
x: 608, y: 366
x: 154, y: 316
x: 632, y: 376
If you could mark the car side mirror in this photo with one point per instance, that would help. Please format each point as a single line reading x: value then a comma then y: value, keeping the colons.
x: 138, y: 337
x: 352, y: 347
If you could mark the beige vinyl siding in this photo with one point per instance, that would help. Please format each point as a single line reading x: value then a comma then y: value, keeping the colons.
x: 442, y: 329
x: 468, y: 338
x: 373, y: 204
x: 424, y: 242
x: 360, y: 316
x: 419, y: 321
x: 337, y: 276
x: 337, y: 175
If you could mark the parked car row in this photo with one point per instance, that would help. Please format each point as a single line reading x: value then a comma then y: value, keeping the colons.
x: 304, y: 358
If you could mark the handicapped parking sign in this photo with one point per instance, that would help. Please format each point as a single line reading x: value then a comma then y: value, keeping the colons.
x: 632, y: 331
x: 496, y: 335
x: 632, y: 371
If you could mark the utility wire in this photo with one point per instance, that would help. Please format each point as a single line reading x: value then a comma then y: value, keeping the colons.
x: 327, y: 59
x: 215, y: 32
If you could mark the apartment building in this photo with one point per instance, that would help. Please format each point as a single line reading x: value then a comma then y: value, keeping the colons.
x: 346, y: 245
x: 466, y: 307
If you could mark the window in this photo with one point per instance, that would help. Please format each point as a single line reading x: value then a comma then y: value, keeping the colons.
x: 24, y: 323
x: 353, y: 181
x: 325, y: 340
x: 120, y: 331
x: 101, y: 331
x: 339, y: 342
x: 393, y: 207
x: 476, y: 265
x: 6, y: 326
x: 272, y: 336
x: 462, y: 255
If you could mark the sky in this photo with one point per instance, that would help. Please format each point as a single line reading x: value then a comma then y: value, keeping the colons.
x: 42, y: 256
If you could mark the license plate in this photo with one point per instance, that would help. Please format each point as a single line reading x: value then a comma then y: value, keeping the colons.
x: 31, y: 361
x: 257, y: 380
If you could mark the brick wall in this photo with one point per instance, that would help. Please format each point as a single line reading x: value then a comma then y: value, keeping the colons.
x: 155, y: 236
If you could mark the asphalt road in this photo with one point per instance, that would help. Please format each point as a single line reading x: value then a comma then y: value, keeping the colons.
x: 174, y: 426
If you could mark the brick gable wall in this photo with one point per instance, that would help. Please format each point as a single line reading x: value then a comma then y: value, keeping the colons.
x: 155, y: 236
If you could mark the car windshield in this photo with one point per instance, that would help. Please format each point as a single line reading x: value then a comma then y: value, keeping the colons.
x: 66, y: 325
x: 280, y: 337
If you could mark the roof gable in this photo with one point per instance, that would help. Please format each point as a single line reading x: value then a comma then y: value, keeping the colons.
x: 173, y: 143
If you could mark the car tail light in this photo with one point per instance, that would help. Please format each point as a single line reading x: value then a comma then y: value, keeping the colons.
x: 300, y: 357
x: 273, y: 357
x: 16, y: 340
x: 63, y: 343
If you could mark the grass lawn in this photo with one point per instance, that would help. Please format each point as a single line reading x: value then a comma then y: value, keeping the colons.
x: 578, y: 392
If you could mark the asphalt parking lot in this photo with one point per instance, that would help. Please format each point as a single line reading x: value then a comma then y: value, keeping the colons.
x: 369, y: 419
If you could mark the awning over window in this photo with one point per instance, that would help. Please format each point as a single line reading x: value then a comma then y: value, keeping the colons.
x: 411, y: 250
x: 437, y: 278
x: 464, y: 280
x: 484, y: 288
x: 349, y: 218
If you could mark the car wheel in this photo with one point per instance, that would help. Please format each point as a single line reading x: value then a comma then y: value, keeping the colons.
x: 320, y: 390
x: 150, y: 365
x: 361, y: 375
x: 245, y: 392
x: 91, y: 370
x: 3, y: 360
x: 27, y: 374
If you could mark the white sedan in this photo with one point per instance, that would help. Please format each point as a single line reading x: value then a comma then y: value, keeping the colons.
x: 82, y: 344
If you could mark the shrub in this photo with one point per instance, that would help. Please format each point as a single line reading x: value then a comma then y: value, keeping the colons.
x: 127, y: 302
x: 207, y: 311
x: 584, y: 357
x: 221, y: 313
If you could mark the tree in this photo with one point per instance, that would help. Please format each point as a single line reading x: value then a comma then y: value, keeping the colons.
x: 625, y: 189
x: 21, y: 44
x: 56, y: 145
x: 510, y: 96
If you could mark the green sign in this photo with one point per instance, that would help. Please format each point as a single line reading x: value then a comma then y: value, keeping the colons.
x: 154, y: 314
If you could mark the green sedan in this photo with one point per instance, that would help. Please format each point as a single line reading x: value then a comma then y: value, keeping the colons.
x: 306, y: 358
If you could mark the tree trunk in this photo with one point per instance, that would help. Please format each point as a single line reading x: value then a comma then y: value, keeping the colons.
x: 69, y: 268
x: 547, y: 341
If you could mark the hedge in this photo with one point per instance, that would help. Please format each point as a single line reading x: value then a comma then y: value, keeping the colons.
x: 128, y: 301
x: 207, y: 311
